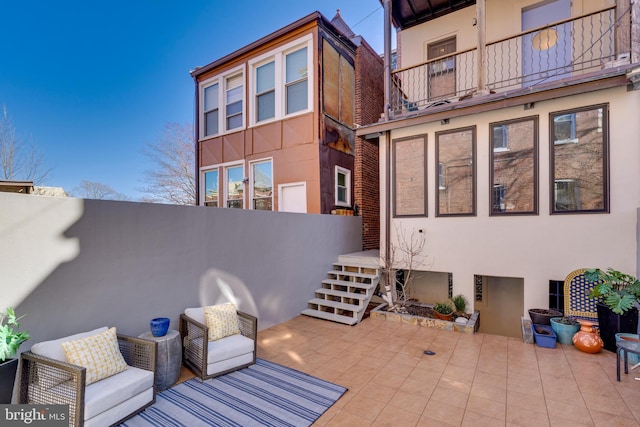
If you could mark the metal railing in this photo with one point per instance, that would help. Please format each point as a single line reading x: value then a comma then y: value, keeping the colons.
x: 559, y: 50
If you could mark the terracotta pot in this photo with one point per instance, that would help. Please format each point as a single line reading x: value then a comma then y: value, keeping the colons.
x: 587, y: 338
x: 443, y: 316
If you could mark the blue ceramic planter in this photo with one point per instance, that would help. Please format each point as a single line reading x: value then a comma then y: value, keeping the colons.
x: 564, y: 332
x: 159, y: 326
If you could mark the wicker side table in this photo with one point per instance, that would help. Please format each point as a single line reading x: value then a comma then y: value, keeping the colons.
x: 169, y: 360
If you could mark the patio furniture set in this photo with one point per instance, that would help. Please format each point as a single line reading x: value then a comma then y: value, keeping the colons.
x: 106, y: 377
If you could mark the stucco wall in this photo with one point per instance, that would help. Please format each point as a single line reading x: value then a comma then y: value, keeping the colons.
x: 73, y: 264
x: 536, y: 248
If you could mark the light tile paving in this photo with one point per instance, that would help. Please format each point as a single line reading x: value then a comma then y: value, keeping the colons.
x: 472, y: 380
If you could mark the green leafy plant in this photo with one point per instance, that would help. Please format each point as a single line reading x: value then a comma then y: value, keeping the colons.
x: 443, y: 308
x: 616, y: 290
x: 10, y: 338
x: 460, y: 302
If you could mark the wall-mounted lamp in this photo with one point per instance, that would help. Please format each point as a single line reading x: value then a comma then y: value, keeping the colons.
x: 245, y: 180
x: 529, y: 105
x: 444, y: 121
x: 545, y: 39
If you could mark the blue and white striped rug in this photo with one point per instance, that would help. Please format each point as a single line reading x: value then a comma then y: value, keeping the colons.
x: 264, y: 394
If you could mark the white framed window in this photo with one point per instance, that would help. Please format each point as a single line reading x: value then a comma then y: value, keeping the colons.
x: 280, y: 83
x: 343, y: 187
x: 564, y: 129
x: 222, y: 103
x: 210, y: 194
x: 261, y: 185
x: 234, y: 185
x: 500, y: 138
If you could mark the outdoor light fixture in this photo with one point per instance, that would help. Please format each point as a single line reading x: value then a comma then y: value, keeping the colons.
x: 545, y: 39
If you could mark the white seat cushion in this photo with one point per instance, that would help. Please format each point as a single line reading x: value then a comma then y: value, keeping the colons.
x: 229, y: 347
x: 111, y: 391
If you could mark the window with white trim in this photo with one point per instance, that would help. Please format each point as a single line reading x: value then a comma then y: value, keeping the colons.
x: 280, y: 84
x: 343, y: 187
x: 211, y: 188
x: 222, y: 103
x: 234, y: 186
x: 262, y: 185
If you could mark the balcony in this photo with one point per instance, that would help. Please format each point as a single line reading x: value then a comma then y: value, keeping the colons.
x: 564, y: 50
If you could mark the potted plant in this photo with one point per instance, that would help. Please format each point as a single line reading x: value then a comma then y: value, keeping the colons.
x: 460, y: 303
x: 616, y: 293
x: 542, y: 316
x: 565, y: 328
x: 443, y: 310
x: 10, y: 340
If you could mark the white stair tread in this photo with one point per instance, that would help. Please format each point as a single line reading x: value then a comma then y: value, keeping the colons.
x: 341, y: 293
x: 330, y: 316
x: 353, y: 273
x: 335, y: 304
x: 366, y: 286
x: 347, y: 264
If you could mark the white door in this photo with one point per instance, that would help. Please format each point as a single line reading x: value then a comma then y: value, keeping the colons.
x: 292, y: 197
x: 546, y: 54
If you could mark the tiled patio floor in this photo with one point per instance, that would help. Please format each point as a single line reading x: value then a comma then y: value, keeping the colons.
x: 472, y: 380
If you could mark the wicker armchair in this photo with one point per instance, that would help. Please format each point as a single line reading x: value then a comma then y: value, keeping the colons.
x: 49, y: 381
x: 576, y: 297
x: 208, y: 359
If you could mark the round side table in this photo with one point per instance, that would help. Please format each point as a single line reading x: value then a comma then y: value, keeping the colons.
x: 169, y: 359
x: 627, y: 347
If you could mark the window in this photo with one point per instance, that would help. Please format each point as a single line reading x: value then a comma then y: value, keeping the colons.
x: 500, y: 138
x: 564, y: 129
x: 440, y: 177
x: 280, y: 83
x: 296, y: 81
x: 456, y: 150
x: 234, y: 97
x: 514, y: 166
x: 498, y: 198
x: 410, y: 176
x: 234, y: 189
x: 222, y: 103
x: 343, y: 187
x: 211, y: 188
x: 442, y: 72
x: 266, y: 91
x: 580, y: 172
x: 565, y: 193
x: 262, y: 185
x: 211, y: 110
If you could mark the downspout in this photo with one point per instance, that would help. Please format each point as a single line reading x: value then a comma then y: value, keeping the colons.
x: 388, y: 297
x: 196, y: 128
x: 482, y: 46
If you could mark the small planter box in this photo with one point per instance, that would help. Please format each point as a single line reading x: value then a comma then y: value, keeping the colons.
x: 544, y: 336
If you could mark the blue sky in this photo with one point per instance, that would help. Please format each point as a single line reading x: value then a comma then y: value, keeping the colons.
x: 91, y: 83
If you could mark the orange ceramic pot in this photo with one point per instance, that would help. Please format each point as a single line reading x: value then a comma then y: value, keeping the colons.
x: 587, y: 338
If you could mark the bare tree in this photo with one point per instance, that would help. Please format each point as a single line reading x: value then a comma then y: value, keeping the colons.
x: 96, y: 190
x: 19, y: 161
x: 406, y: 255
x: 172, y: 177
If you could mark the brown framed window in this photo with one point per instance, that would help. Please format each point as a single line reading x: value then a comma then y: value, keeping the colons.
x: 579, y: 155
x: 442, y: 73
x: 513, y: 169
x: 456, y: 184
x: 410, y: 176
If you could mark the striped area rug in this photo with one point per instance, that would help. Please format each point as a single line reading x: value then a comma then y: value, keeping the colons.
x: 264, y: 394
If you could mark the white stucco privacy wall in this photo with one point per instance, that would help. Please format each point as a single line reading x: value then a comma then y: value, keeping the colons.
x: 71, y: 264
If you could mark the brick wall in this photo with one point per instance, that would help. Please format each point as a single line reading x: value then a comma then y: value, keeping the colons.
x: 369, y: 107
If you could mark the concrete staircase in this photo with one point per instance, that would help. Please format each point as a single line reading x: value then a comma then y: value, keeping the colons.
x: 347, y: 290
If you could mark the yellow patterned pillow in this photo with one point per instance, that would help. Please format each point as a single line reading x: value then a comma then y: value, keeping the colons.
x: 98, y: 353
x: 222, y: 320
